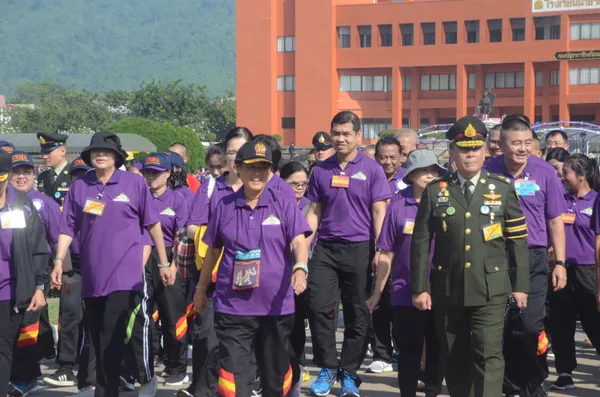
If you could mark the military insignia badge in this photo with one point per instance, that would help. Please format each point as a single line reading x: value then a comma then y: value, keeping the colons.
x: 450, y: 211
x: 492, y: 196
x: 321, y: 139
x: 42, y: 140
x: 260, y: 149
x: 470, y: 131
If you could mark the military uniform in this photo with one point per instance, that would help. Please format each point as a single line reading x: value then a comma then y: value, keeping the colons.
x: 55, y: 186
x: 480, y: 247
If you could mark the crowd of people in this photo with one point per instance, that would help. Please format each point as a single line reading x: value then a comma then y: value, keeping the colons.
x: 466, y: 271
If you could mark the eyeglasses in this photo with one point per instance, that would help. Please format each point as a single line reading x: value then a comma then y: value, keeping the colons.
x: 27, y: 172
x: 298, y: 185
x: 231, y: 153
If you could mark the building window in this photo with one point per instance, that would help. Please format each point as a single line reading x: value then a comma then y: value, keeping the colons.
x: 472, y: 28
x: 405, y: 122
x: 424, y: 122
x: 373, y: 127
x: 364, y: 33
x: 585, y: 31
x: 471, y: 81
x: 428, y: 33
x: 505, y: 80
x: 450, y: 29
x: 438, y: 82
x: 584, y: 76
x: 554, y: 78
x: 343, y: 36
x: 407, y: 31
x: 286, y: 83
x: 288, y: 123
x: 286, y: 44
x: 495, y: 30
x: 406, y: 83
x: 539, y: 78
x: 366, y: 83
x: 547, y: 28
x: 518, y: 29
x: 385, y: 35
x: 446, y: 120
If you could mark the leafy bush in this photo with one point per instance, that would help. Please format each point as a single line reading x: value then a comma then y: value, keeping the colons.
x: 277, y: 137
x: 387, y: 133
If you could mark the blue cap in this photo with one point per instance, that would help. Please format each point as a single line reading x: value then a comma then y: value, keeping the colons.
x: 7, y: 146
x: 157, y: 161
x: 21, y: 158
x: 79, y: 164
x: 176, y: 159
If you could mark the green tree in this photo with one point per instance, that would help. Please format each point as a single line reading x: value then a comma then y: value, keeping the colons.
x: 219, y: 117
x: 387, y: 133
x: 163, y: 134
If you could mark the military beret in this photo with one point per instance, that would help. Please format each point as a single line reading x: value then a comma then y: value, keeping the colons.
x: 468, y: 132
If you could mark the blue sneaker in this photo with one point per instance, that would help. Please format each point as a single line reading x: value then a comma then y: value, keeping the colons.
x: 349, y: 388
x: 22, y: 389
x: 326, y: 379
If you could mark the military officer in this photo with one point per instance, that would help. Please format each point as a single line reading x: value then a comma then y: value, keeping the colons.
x: 480, y: 237
x: 55, y: 181
x: 323, y: 146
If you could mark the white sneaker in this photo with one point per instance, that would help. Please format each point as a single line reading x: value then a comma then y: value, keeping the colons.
x: 378, y: 367
x: 148, y: 389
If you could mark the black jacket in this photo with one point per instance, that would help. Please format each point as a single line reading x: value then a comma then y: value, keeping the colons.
x: 30, y: 253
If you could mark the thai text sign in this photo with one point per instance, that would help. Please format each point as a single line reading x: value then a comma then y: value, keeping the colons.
x: 564, y: 5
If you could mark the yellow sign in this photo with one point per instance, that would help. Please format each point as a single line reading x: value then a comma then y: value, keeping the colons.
x: 571, y: 55
x: 564, y: 5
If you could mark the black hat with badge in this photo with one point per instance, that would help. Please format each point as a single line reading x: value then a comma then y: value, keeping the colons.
x: 322, y: 141
x: 108, y: 141
x: 5, y: 165
x: 254, y: 152
x: 49, y: 142
x: 468, y: 132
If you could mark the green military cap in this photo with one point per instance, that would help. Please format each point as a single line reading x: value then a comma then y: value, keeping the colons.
x: 468, y: 132
x: 49, y: 142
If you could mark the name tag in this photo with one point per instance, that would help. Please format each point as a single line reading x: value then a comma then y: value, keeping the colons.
x: 525, y: 188
x: 340, y: 181
x: 409, y: 226
x: 492, y: 232
x: 568, y: 218
x: 93, y: 207
x: 12, y: 219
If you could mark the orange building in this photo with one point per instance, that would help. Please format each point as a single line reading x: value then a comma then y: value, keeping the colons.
x: 414, y: 62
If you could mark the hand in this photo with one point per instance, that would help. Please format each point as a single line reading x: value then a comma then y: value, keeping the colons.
x: 373, y: 302
x: 200, y: 300
x: 422, y: 301
x: 520, y: 299
x: 56, y: 276
x: 166, y: 276
x: 38, y: 301
x: 551, y: 258
x: 559, y: 277
x: 299, y: 281
x: 374, y: 263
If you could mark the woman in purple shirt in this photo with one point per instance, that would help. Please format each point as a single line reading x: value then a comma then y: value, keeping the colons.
x: 110, y: 209
x: 578, y: 299
x: 413, y: 326
x: 257, y: 278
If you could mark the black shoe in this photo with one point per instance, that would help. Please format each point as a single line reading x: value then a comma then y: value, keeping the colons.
x: 563, y: 382
x: 539, y: 392
x: 257, y: 387
x: 177, y: 379
x: 126, y: 383
x: 63, y: 377
x: 183, y: 393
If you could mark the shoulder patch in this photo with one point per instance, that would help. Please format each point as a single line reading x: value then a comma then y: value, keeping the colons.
x: 498, y: 177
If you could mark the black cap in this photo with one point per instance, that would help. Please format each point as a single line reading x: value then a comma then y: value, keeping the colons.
x: 5, y: 165
x: 322, y: 141
x: 105, y: 140
x: 49, y: 142
x: 254, y: 152
x: 7, y: 146
x: 468, y: 132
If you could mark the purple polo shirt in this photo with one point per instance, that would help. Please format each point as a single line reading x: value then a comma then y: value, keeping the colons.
x: 7, y: 286
x: 279, y: 185
x: 187, y: 193
x: 547, y: 202
x: 203, y: 205
x: 303, y: 203
x: 581, y: 236
x: 396, y: 184
x: 346, y: 212
x: 396, y: 235
x: 173, y: 211
x: 235, y: 226
x: 112, y: 243
x: 49, y: 212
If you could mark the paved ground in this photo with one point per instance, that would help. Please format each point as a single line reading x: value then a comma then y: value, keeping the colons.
x: 587, y: 378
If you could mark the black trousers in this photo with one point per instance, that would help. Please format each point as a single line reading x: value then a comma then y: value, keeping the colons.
x: 86, y: 374
x: 382, y: 330
x: 25, y: 363
x: 113, y: 321
x: 205, y: 354
x: 70, y: 318
x: 46, y: 341
x: 577, y: 299
x: 298, y: 336
x: 526, y: 368
x: 268, y: 337
x: 10, y: 323
x: 338, y: 265
x: 414, y: 328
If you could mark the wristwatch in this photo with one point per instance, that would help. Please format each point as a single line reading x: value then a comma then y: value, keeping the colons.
x: 563, y: 264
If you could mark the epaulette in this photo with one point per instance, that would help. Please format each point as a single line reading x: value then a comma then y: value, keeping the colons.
x: 498, y: 177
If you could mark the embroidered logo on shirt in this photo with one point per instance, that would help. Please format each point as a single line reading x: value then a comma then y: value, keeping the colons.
x: 360, y: 176
x: 271, y: 220
x: 588, y: 211
x: 122, y: 198
x: 168, y: 211
x: 38, y: 204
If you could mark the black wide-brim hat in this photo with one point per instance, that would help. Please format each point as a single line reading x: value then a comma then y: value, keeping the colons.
x: 104, y: 140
